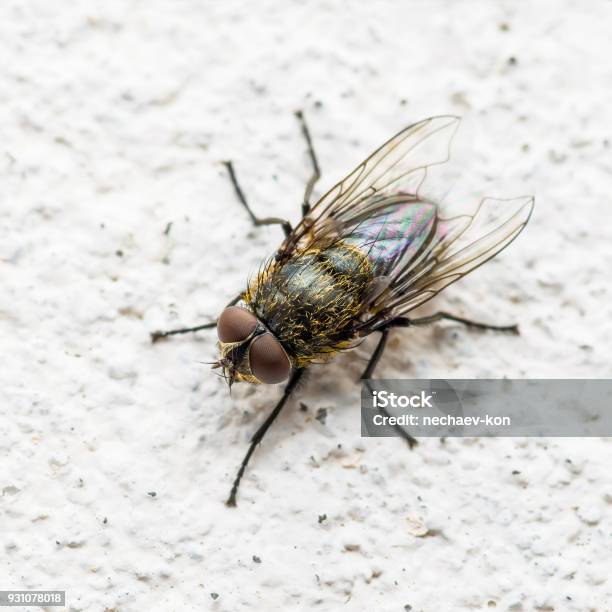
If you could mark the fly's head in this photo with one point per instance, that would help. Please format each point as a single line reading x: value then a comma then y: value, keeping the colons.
x: 249, y: 351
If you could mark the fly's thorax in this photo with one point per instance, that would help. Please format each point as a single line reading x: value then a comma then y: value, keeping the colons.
x: 249, y: 351
x: 311, y: 300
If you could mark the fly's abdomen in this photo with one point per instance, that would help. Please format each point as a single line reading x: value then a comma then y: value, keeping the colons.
x: 398, y: 233
x: 311, y: 301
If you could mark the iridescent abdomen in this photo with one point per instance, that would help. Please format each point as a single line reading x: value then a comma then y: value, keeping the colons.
x: 396, y: 235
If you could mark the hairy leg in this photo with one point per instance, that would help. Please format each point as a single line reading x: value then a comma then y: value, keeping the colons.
x: 160, y: 335
x: 261, y: 432
x: 256, y: 220
x: 439, y: 316
x: 316, y: 171
x: 376, y: 355
x: 367, y: 373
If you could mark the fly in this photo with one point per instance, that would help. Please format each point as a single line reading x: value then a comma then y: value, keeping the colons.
x: 371, y: 250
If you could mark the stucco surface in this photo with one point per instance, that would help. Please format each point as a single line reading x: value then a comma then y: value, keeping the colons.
x: 117, y: 455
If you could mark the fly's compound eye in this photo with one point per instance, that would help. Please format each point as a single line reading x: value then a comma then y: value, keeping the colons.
x: 268, y: 360
x: 235, y: 324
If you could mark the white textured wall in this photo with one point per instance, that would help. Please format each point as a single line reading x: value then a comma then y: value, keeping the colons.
x: 113, y: 118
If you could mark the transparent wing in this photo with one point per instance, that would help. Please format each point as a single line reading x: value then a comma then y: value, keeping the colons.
x: 398, y: 166
x: 457, y: 246
x: 380, y: 208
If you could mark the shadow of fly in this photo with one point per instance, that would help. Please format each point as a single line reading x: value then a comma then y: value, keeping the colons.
x: 371, y: 250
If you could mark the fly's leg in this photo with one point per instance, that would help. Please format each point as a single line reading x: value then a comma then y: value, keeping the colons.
x: 367, y: 373
x: 261, y: 432
x: 160, y: 335
x: 439, y: 316
x: 376, y: 355
x: 256, y: 220
x: 316, y: 171
x: 406, y: 322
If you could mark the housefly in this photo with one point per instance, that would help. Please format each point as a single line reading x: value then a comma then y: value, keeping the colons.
x: 371, y: 250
